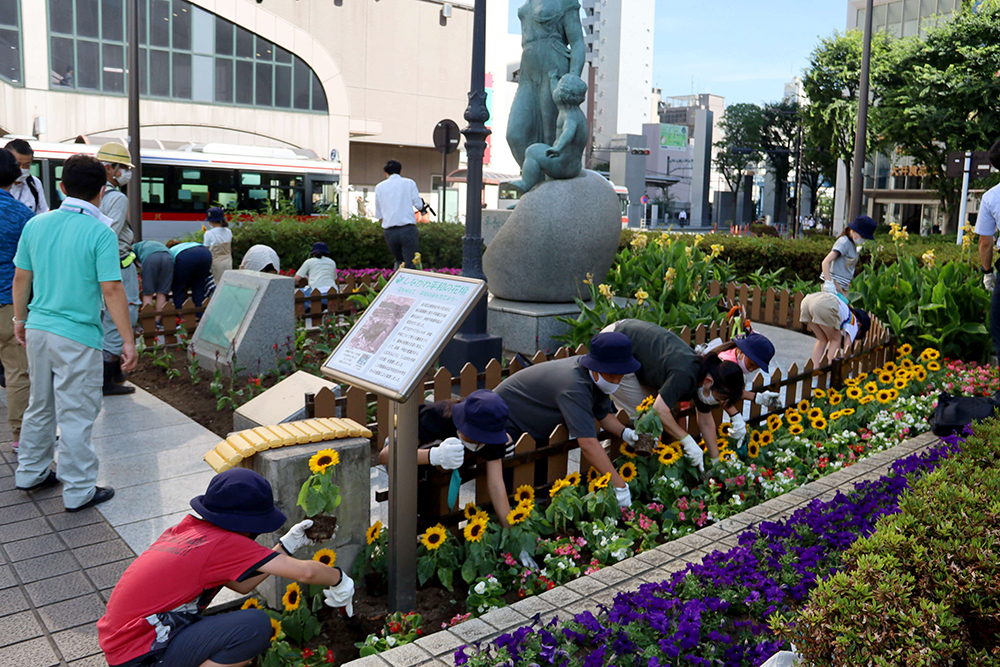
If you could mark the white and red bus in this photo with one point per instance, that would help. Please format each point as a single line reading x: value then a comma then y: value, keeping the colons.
x: 179, y: 186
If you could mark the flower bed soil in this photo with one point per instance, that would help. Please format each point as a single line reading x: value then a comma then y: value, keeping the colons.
x: 194, y: 400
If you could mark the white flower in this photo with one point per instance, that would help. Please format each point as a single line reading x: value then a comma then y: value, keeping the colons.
x: 390, y: 640
x: 480, y: 588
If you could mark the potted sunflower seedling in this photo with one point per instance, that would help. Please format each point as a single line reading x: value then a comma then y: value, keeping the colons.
x: 648, y: 427
x: 319, y: 496
x: 373, y: 561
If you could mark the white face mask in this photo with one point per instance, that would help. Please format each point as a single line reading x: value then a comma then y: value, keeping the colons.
x: 471, y: 446
x: 706, y: 397
x: 742, y: 362
x: 125, y: 177
x: 602, y: 384
x: 24, y: 175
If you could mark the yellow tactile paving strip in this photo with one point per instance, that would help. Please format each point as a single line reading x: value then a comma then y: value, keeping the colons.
x: 244, y: 444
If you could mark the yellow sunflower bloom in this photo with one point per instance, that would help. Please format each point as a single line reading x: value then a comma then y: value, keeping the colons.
x: 766, y: 438
x: 628, y: 471
x: 526, y: 505
x: 599, y: 483
x: 818, y: 393
x: 929, y: 354
x: 755, y: 436
x: 818, y: 424
x: 900, y: 383
x: 906, y: 364
x: 871, y: 387
x: 646, y: 404
x: 919, y: 374
x: 517, y: 516
x: 790, y: 411
x: 252, y: 603
x: 559, y: 485
x: 803, y: 405
x: 886, y: 378
x: 847, y: 412
x: 292, y: 597
x: 835, y: 399
x: 669, y: 456
x: 523, y: 493
x: 796, y: 429
x: 592, y: 474
x: 933, y: 366
x: 573, y: 478
x: 323, y: 459
x: 834, y: 416
x: 773, y: 422
x: 728, y: 456
x: 326, y: 556
x: 889, y: 367
x: 275, y: 630
x: 814, y: 414
x: 434, y: 537
x: 904, y: 350
x: 883, y: 396
x: 471, y: 511
x: 723, y: 430
x: 854, y: 393
x: 475, y: 529
x: 374, y: 532
x: 753, y: 450
x: 627, y: 450
x: 893, y: 394
x: 795, y: 418
x: 852, y: 382
x: 866, y: 399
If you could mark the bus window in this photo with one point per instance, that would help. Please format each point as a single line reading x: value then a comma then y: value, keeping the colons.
x: 154, y: 187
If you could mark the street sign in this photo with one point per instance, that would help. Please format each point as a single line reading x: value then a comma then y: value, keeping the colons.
x: 645, y: 199
x: 446, y: 136
x: 955, y: 165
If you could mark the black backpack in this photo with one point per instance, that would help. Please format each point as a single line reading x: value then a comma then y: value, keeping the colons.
x: 954, y: 413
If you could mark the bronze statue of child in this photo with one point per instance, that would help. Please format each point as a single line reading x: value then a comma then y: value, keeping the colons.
x: 565, y: 158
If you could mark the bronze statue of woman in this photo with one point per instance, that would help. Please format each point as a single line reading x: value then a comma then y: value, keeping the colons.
x: 551, y: 46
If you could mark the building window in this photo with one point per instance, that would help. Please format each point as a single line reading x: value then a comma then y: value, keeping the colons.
x: 195, y: 55
x: 10, y: 42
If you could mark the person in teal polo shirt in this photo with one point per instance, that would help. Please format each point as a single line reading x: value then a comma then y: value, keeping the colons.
x: 192, y: 270
x: 66, y: 267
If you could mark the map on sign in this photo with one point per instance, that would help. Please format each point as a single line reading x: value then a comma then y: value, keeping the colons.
x: 403, y: 331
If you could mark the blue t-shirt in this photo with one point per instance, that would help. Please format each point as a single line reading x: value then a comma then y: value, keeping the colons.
x: 13, y: 216
x: 181, y: 247
x: 70, y: 253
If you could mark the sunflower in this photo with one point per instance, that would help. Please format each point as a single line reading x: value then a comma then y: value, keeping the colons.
x: 374, y: 532
x: 904, y: 350
x: 646, y: 404
x: 889, y: 367
x: 883, y: 396
x: 559, y: 485
x: 835, y: 399
x: 919, y: 374
x: 755, y: 436
x: 790, y: 411
x: 803, y: 405
x: 471, y: 511
x: 853, y: 393
x: 292, y: 597
x: 773, y: 422
x: 871, y: 387
x: 753, y: 450
x: 326, y: 556
x: 434, y: 537
x: 818, y: 424
x: 599, y: 483
x: 573, y: 478
x: 819, y: 393
x: 252, y: 603
x: 929, y: 354
x: 886, y: 378
x: 669, y: 456
x: 323, y: 459
x: 893, y: 394
x: 796, y: 429
x: 866, y: 399
x: 834, y: 416
x: 475, y: 529
x: 814, y: 414
x: 592, y: 474
x: 904, y: 373
x: 933, y: 366
x: 275, y: 630
x: 766, y: 438
x: 516, y: 516
x: 794, y: 418
x: 628, y: 471
x: 847, y: 412
x: 727, y: 455
x: 526, y: 505
x: 524, y: 492
x: 627, y: 450
x: 724, y: 429
x: 900, y: 383
x: 852, y: 382
x: 906, y: 364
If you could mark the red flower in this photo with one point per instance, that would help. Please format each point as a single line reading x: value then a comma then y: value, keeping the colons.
x: 306, y: 653
x: 329, y: 656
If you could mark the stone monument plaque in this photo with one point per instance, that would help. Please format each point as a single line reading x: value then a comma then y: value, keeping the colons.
x: 247, y: 316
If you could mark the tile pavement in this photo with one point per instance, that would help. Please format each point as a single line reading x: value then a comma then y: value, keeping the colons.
x: 657, y: 565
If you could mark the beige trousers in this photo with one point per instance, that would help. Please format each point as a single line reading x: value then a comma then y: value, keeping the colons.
x: 15, y: 365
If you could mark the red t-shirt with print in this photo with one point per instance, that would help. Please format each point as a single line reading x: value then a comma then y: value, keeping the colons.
x: 190, y: 562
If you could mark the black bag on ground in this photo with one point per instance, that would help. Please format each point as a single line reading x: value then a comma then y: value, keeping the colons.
x: 954, y: 413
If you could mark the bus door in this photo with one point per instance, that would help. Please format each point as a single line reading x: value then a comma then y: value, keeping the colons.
x: 322, y: 194
x: 262, y: 191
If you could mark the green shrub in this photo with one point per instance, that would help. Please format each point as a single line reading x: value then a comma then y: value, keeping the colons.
x: 924, y: 589
x: 763, y: 230
x: 354, y: 242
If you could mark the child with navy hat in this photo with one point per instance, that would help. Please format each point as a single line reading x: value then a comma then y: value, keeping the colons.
x: 154, y: 615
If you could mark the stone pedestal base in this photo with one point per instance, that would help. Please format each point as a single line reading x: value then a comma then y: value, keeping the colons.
x: 527, y: 327
x: 287, y: 468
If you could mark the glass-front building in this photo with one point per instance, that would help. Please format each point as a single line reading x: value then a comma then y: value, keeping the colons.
x: 10, y: 42
x: 186, y: 54
x: 906, y: 18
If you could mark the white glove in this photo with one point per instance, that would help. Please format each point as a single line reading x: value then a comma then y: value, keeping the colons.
x: 623, y: 496
x: 693, y: 452
x: 830, y: 287
x: 630, y: 436
x: 341, y: 595
x: 769, y: 399
x: 296, y: 538
x: 738, y: 428
x: 450, y: 454
x: 989, y: 280
x: 527, y: 560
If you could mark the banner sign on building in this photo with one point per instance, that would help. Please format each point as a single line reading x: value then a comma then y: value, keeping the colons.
x: 673, y: 137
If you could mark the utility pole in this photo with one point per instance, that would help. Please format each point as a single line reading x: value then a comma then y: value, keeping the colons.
x: 861, y: 137
x: 135, y: 185
x: 798, y: 184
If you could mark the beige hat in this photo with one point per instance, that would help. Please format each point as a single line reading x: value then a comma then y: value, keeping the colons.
x: 116, y: 154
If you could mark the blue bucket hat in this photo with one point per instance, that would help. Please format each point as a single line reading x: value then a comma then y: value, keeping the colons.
x: 610, y: 352
x: 757, y: 349
x: 215, y: 214
x: 482, y: 415
x: 320, y: 247
x: 239, y: 500
x: 865, y: 226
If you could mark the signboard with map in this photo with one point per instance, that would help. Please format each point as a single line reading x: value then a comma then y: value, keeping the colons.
x: 673, y: 137
x: 401, y: 334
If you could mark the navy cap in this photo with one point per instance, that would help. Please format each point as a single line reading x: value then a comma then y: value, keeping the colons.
x: 215, y: 214
x: 320, y: 247
x: 482, y: 415
x: 757, y: 349
x: 865, y: 226
x: 864, y: 323
x: 239, y: 500
x: 610, y: 352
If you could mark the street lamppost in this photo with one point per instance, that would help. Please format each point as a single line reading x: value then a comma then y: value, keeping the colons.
x: 861, y: 137
x: 135, y: 190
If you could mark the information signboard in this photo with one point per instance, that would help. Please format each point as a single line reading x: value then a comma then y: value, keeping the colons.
x: 673, y: 137
x: 403, y: 331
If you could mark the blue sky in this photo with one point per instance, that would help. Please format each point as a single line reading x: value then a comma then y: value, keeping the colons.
x: 743, y: 50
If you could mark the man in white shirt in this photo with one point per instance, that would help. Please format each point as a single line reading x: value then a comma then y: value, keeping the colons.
x: 395, y: 200
x: 986, y: 228
x: 27, y: 189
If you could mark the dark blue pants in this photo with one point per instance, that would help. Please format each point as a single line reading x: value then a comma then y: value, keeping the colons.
x: 995, y: 321
x: 192, y: 269
x: 227, y: 639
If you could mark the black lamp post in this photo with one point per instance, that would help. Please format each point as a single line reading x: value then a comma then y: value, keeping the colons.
x: 135, y: 189
x: 861, y: 137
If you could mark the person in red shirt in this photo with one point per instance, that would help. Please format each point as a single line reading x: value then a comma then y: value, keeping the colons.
x: 154, y: 615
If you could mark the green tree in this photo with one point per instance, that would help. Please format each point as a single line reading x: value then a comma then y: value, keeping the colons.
x: 943, y: 95
x: 738, y: 151
x: 779, y: 143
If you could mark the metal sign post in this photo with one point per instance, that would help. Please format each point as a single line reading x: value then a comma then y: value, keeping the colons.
x: 403, y: 507
x: 446, y: 136
x: 964, y: 207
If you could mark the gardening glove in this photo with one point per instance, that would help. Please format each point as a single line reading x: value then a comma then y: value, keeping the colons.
x: 830, y: 287
x: 693, y: 452
x: 450, y: 454
x: 769, y: 399
x: 623, y: 496
x: 341, y: 595
x: 989, y: 280
x: 527, y: 560
x: 296, y: 538
x: 738, y: 428
x: 630, y: 436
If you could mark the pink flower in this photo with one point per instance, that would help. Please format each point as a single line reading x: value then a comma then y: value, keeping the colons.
x: 702, y: 520
x: 682, y: 503
x: 681, y: 516
x: 509, y: 560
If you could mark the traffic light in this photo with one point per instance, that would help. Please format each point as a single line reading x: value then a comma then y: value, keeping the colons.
x: 640, y: 151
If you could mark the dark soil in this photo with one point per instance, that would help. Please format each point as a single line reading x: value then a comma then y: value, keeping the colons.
x: 323, y: 528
